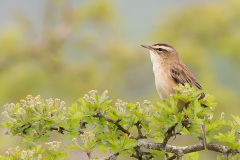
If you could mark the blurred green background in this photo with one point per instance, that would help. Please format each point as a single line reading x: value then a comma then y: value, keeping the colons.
x: 62, y: 49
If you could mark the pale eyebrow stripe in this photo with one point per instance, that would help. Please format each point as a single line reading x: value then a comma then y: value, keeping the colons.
x: 163, y: 47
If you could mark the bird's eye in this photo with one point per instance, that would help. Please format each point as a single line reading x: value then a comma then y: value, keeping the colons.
x: 159, y: 49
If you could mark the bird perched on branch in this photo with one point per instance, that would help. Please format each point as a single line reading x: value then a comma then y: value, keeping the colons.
x: 170, y: 71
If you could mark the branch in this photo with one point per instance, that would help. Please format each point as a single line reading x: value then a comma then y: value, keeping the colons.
x: 117, y: 124
x: 141, y: 155
x: 168, y: 135
x: 59, y: 129
x: 138, y: 154
x: 81, y: 130
x: 140, y: 135
x: 148, y: 157
x: 112, y: 156
x: 81, y: 125
x: 179, y: 151
x: 172, y: 157
x: 114, y: 122
x: 89, y: 155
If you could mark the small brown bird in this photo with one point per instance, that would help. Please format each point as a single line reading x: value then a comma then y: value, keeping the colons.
x: 170, y: 71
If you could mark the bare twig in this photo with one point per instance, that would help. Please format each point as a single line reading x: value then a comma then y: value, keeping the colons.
x: 118, y: 125
x: 138, y: 153
x: 140, y: 135
x: 81, y: 125
x: 172, y: 157
x: 148, y: 157
x: 114, y: 122
x: 89, y: 155
x: 141, y: 155
x: 59, y: 129
x: 168, y: 134
x: 81, y: 130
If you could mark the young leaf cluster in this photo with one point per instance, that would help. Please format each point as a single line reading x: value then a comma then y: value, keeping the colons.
x: 36, y: 153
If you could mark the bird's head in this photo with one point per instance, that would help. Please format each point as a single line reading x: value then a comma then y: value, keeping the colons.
x: 161, y: 52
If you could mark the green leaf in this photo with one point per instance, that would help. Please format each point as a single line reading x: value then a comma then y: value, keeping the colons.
x: 24, y: 127
x: 73, y: 108
x: 198, y: 120
x: 123, y: 152
x: 71, y: 135
x: 3, y: 158
x: 37, y: 148
x: 113, y: 149
x: 130, y: 106
x: 48, y: 158
x: 191, y: 156
x: 124, y: 141
x: 179, y: 127
x: 185, y: 131
x: 146, y: 127
x: 78, y: 115
x: 4, y: 125
x: 75, y: 123
x: 209, y: 98
x: 61, y: 156
x: 49, y: 123
x: 208, y: 138
x: 111, y: 142
x: 194, y: 155
x: 112, y: 116
x: 156, y: 153
x: 28, y: 144
x: 36, y: 118
x: 99, y: 129
x: 197, y: 107
x: 220, y: 158
x: 194, y: 129
x: 228, y: 137
x: 132, y: 143
x: 73, y: 146
x: 236, y: 118
x: 101, y: 147
x: 44, y: 138
x: 102, y: 120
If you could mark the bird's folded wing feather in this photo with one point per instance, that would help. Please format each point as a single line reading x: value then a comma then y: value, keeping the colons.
x: 181, y: 74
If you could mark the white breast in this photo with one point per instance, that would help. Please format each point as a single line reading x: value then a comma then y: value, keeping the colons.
x: 162, y: 80
x: 163, y: 86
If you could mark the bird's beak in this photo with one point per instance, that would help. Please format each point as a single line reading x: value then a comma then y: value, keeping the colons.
x: 148, y: 47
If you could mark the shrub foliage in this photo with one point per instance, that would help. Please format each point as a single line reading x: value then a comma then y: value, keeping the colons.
x: 92, y: 122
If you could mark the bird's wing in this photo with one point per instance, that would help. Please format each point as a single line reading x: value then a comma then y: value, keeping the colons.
x: 181, y: 74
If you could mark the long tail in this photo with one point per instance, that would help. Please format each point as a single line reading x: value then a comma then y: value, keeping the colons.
x: 202, y: 128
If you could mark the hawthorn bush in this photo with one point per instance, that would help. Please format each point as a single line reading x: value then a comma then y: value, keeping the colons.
x: 92, y: 122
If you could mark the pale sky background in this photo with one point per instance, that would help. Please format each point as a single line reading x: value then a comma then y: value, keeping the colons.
x: 137, y: 16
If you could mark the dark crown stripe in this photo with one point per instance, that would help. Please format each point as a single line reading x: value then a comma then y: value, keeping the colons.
x: 163, y: 44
